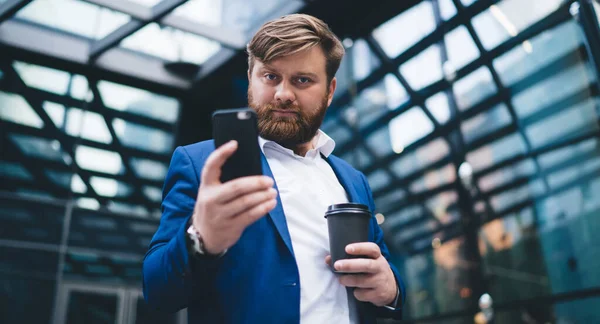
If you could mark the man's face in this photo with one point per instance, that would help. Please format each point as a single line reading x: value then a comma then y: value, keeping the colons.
x: 290, y: 96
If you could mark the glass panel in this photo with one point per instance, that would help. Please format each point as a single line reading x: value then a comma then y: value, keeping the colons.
x: 15, y: 171
x: 447, y: 9
x: 88, y: 125
x: 153, y: 193
x: 379, y: 179
x: 415, y: 23
x: 439, y: 107
x: 407, y: 214
x: 383, y: 202
x: 437, y: 279
x: 576, y: 120
x: 147, y: 3
x: 434, y: 179
x: 485, y: 123
x: 88, y: 203
x: 467, y: 3
x: 98, y: 160
x: 565, y: 176
x: 439, y: 204
x: 91, y: 308
x: 171, y: 44
x: 578, y: 311
x: 512, y: 197
x: 67, y: 181
x: 142, y: 102
x: 474, y: 88
x: 364, y: 61
x: 15, y: 109
x: 358, y: 157
x: 128, y: 209
x: 461, y: 47
x: 56, y: 112
x: 520, y: 62
x: 149, y: 169
x: 552, y: 89
x: 508, y: 18
x: 238, y: 15
x: 421, y: 158
x: 496, y: 151
x: 142, y: 137
x: 507, y: 174
x: 423, y: 69
x: 377, y: 100
x: 408, y: 128
x: 109, y: 187
x: 380, y: 142
x: 26, y: 300
x: 42, y: 148
x: 74, y: 16
x: 552, y: 158
x: 41, y: 77
x: 339, y: 133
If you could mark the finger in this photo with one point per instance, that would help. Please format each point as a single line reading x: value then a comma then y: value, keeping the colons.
x: 328, y: 260
x: 366, y: 249
x: 211, y: 172
x: 357, y: 280
x: 242, y: 186
x: 365, y: 294
x: 248, y: 217
x: 357, y: 266
x: 248, y: 201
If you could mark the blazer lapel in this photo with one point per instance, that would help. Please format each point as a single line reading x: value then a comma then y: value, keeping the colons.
x: 344, y: 179
x: 277, y: 214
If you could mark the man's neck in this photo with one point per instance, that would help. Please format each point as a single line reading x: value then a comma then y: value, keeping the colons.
x: 302, y: 149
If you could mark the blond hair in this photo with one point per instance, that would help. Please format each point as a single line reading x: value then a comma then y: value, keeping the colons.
x: 292, y: 34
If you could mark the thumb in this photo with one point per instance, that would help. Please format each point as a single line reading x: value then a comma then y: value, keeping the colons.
x: 328, y: 260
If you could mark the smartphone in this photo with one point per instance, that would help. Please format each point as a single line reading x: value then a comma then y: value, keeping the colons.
x: 239, y: 125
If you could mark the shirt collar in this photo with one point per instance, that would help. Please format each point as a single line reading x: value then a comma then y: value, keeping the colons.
x: 322, y: 143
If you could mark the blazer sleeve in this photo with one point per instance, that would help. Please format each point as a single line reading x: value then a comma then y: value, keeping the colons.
x: 167, y: 270
x: 378, y: 239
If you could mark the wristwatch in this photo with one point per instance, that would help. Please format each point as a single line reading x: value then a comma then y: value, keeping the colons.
x: 197, y: 244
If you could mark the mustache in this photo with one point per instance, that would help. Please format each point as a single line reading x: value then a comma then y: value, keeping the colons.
x: 287, y: 107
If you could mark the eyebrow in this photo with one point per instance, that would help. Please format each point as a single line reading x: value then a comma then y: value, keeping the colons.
x: 308, y: 74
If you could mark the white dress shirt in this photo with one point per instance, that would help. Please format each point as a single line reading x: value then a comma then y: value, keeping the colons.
x: 307, y: 185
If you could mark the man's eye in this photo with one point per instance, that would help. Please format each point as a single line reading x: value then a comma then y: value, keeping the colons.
x: 271, y: 77
x: 303, y: 80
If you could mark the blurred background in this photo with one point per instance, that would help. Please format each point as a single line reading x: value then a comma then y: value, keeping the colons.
x: 476, y: 122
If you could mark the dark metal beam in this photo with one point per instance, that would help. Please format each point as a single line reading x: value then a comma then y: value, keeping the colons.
x: 10, y: 8
x: 158, y: 12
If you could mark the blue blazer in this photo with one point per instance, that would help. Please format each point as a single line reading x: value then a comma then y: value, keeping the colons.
x: 257, y: 280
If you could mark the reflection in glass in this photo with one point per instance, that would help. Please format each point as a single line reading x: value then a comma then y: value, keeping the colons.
x: 40, y: 147
x: 149, y: 169
x: 142, y: 102
x: 576, y: 120
x: 415, y: 23
x: 439, y: 107
x: 421, y: 158
x: 408, y: 128
x: 554, y: 88
x: 15, y: 109
x: 508, y: 18
x: 525, y: 168
x: 496, y: 151
x: 142, y: 137
x: 171, y: 44
x: 94, y: 159
x: 473, y: 88
x: 15, y: 171
x: 485, y: 123
x: 423, y: 69
x: 460, y: 47
x: 550, y: 45
x: 74, y: 16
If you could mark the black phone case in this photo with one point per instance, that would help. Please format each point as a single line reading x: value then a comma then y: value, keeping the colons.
x: 239, y: 125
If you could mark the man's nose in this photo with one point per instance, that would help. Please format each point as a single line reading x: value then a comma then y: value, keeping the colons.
x: 284, y: 94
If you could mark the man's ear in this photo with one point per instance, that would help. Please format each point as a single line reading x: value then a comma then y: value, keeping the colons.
x: 332, y: 86
x: 248, y: 71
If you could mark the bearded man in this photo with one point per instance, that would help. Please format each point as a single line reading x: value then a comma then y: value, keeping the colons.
x: 256, y: 249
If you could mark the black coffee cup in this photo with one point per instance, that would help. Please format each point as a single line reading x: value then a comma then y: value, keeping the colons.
x: 348, y: 223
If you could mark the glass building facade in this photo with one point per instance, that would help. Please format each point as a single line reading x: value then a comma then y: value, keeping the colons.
x: 476, y: 123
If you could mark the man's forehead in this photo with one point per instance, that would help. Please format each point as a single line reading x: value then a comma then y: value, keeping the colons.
x: 309, y: 61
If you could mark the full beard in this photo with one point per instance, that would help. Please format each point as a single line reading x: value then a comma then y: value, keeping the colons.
x: 289, y: 131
